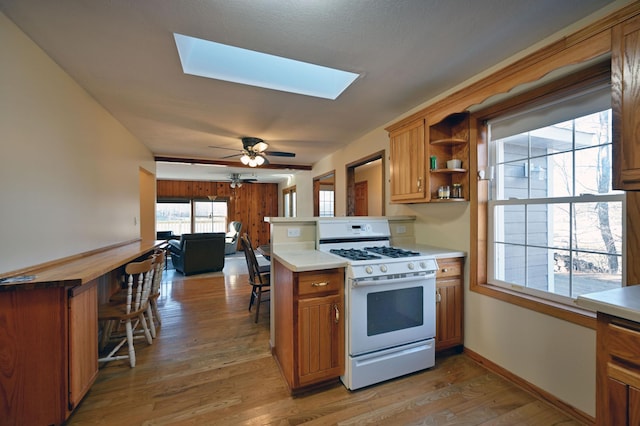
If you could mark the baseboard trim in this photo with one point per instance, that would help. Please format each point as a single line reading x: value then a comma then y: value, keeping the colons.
x: 532, y: 389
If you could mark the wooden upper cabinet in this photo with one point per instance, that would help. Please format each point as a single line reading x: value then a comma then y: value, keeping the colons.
x: 625, y: 81
x: 407, y: 164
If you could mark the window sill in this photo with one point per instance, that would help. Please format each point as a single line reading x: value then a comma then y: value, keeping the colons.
x: 571, y: 313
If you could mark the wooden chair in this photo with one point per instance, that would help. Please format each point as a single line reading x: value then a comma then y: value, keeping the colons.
x: 129, y: 312
x: 259, y: 281
x: 153, y: 314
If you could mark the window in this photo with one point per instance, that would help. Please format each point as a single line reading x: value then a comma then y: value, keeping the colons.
x: 210, y: 216
x: 191, y: 216
x: 326, y: 202
x: 289, y: 201
x: 173, y: 216
x: 555, y: 226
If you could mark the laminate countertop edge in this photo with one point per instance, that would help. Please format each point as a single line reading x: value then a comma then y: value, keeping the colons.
x: 621, y: 302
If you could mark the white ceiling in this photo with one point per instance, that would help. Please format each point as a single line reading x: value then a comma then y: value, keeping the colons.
x: 406, y: 51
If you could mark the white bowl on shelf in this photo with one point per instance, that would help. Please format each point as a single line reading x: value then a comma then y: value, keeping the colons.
x: 454, y: 164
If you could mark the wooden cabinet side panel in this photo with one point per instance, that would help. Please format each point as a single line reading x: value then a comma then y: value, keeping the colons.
x: 83, y: 341
x: 283, y: 282
x: 633, y: 409
x: 33, y: 354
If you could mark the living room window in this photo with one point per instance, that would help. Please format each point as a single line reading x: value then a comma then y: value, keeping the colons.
x: 555, y: 227
x: 185, y: 216
x: 289, y: 201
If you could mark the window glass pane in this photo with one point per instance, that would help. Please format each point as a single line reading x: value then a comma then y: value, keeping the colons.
x: 326, y: 203
x: 560, y: 175
x: 513, y: 148
x: 552, y: 139
x: 593, y: 170
x: 510, y: 224
x: 559, y: 225
x: 538, y: 224
x: 593, y: 272
x: 598, y: 227
x: 174, y: 217
x: 514, y: 181
x: 210, y: 216
x: 510, y: 263
x: 539, y: 269
x: 593, y: 129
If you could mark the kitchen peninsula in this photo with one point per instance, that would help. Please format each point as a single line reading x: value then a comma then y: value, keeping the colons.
x: 323, y: 269
x: 49, y: 332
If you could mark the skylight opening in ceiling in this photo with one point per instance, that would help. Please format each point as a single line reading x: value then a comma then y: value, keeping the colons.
x: 222, y: 62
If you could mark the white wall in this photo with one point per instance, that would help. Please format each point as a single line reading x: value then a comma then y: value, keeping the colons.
x: 68, y: 169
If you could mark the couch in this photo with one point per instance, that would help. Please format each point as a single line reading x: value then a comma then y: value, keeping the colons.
x: 198, y: 253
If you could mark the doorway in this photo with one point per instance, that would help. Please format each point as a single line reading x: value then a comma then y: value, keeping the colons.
x: 370, y: 171
x: 324, y: 202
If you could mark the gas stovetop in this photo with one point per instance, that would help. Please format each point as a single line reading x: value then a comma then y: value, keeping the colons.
x: 369, y: 253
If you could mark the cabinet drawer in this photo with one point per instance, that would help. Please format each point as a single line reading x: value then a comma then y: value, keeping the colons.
x: 316, y: 282
x: 449, y: 268
x: 624, y: 343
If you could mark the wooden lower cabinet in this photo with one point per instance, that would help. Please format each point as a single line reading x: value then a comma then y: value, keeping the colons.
x: 449, y: 303
x: 617, y: 371
x: 309, y: 325
x: 48, y: 352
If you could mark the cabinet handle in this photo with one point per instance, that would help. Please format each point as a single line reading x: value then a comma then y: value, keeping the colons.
x: 419, y: 182
x: 337, y: 312
x: 445, y: 270
x: 321, y: 284
x: 438, y: 296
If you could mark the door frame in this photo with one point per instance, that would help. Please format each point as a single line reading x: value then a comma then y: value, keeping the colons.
x: 351, y: 180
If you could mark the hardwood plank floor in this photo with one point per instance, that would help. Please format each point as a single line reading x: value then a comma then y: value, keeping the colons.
x: 211, y: 365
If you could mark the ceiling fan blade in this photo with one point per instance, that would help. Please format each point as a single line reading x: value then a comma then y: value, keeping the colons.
x: 279, y: 153
x: 232, y: 155
x: 222, y: 147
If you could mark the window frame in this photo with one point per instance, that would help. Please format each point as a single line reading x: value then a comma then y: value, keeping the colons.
x: 290, y: 194
x: 575, y: 82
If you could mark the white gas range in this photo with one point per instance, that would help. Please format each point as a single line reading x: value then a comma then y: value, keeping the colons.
x: 390, y: 301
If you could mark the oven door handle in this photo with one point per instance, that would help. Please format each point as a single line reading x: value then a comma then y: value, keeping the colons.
x: 363, y: 283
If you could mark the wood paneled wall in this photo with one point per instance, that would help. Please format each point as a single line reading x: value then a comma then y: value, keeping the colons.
x: 249, y: 204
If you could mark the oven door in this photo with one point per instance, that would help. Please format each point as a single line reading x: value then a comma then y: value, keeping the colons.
x: 389, y: 312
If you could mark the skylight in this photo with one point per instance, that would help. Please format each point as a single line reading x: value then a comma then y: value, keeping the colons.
x: 222, y: 62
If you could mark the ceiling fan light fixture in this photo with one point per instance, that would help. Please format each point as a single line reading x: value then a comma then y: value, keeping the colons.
x: 260, y: 160
x: 245, y: 159
x: 253, y: 162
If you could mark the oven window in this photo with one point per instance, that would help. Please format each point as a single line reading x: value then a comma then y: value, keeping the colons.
x: 394, y: 310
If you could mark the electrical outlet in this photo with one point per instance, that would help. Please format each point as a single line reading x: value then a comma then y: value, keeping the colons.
x: 293, y: 232
x: 400, y: 229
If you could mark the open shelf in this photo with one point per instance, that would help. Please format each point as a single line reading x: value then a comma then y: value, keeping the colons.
x: 449, y: 141
x: 449, y: 171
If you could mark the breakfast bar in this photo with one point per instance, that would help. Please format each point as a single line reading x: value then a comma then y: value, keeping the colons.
x: 49, y: 331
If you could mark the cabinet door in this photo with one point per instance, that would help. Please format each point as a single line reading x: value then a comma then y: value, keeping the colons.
x: 449, y: 303
x: 320, y: 339
x: 448, y: 313
x: 407, y: 165
x: 83, y: 341
x: 625, y: 80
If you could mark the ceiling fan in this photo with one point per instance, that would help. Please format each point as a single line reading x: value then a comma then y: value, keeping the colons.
x: 237, y: 181
x: 254, y: 152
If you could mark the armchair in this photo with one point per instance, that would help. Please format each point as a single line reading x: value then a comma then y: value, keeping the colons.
x: 232, y: 237
x: 196, y: 253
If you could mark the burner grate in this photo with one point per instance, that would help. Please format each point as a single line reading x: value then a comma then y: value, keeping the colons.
x: 354, y: 254
x: 392, y: 252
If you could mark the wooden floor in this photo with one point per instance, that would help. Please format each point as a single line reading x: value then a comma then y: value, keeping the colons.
x: 212, y: 365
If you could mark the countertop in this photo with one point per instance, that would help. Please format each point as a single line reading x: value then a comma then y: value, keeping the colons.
x: 621, y: 302
x: 300, y: 260
x: 307, y: 260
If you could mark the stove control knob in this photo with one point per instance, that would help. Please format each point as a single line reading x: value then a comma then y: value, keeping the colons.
x: 411, y: 265
x: 383, y: 268
x: 423, y: 265
x: 368, y: 270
